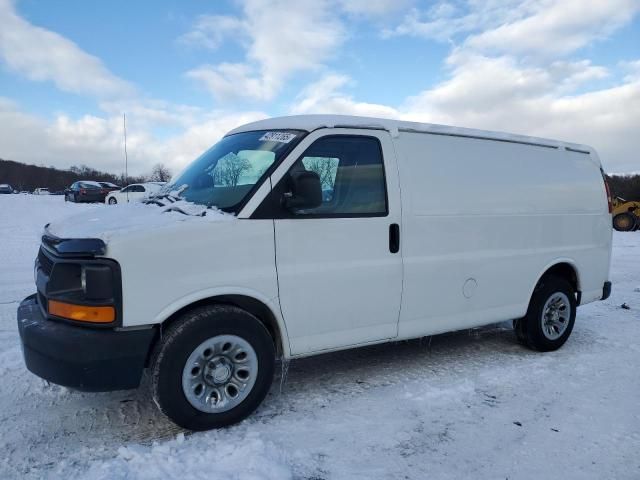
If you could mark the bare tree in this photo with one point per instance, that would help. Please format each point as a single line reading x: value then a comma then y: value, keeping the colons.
x: 324, y: 167
x: 229, y: 169
x: 160, y: 173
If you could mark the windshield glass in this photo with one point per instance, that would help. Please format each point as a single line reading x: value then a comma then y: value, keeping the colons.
x: 225, y: 174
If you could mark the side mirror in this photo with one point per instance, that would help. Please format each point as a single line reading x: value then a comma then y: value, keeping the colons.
x: 306, y: 191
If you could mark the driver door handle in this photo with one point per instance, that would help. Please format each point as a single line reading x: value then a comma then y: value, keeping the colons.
x: 394, y: 238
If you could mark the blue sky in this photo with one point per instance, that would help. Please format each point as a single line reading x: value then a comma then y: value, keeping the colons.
x: 185, y: 72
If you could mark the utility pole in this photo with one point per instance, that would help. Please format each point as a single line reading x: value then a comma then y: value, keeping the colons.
x: 126, y: 159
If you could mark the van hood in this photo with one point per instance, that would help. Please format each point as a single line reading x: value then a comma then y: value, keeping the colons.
x: 108, y: 221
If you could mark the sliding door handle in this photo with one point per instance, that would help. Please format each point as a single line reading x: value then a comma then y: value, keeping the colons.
x: 394, y: 238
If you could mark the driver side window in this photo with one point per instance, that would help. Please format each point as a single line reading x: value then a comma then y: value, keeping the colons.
x: 351, y: 173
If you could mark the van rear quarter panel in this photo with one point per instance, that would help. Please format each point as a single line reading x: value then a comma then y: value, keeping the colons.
x: 493, y: 215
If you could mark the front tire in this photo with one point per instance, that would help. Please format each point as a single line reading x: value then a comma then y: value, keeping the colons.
x: 550, y: 316
x: 112, y: 201
x: 212, y: 368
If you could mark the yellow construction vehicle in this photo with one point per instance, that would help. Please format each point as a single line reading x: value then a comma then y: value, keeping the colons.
x: 626, y: 215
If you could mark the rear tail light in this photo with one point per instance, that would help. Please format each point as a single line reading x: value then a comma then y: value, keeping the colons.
x: 606, y: 187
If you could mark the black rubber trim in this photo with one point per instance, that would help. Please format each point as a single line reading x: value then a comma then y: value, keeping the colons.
x: 606, y: 290
x: 80, y: 358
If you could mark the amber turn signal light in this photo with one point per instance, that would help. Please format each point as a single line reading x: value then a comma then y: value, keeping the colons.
x: 82, y: 313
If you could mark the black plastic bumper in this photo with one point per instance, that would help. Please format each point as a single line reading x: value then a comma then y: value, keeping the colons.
x: 606, y: 290
x: 91, y: 360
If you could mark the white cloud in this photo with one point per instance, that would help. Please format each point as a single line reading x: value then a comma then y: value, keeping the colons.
x: 98, y: 140
x: 228, y: 81
x: 283, y: 38
x: 210, y: 31
x: 532, y: 27
x: 373, y: 8
x: 446, y: 20
x: 42, y: 55
x: 325, y: 96
x: 557, y: 27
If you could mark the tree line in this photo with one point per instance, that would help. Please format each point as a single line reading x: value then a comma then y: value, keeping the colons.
x: 625, y: 186
x: 29, y: 177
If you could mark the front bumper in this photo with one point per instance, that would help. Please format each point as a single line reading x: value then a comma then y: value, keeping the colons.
x: 87, y: 359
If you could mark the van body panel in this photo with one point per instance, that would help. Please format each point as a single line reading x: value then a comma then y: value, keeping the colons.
x: 339, y: 285
x: 192, y: 261
x: 494, y: 215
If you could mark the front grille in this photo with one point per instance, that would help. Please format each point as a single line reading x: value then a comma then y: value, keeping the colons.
x: 45, y: 262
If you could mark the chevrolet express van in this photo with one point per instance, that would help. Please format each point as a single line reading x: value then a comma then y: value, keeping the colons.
x: 301, y: 235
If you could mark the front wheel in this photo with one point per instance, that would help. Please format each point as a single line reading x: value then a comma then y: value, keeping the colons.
x: 213, y: 367
x: 550, y: 316
x: 112, y: 201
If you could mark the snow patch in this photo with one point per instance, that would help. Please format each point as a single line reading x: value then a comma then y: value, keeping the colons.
x: 112, y: 220
x: 249, y: 457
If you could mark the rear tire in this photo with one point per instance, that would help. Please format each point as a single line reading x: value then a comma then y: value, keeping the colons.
x: 550, y: 316
x: 625, y: 222
x: 196, y: 378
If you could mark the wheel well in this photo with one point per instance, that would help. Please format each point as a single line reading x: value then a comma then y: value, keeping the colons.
x: 249, y: 304
x: 566, y: 271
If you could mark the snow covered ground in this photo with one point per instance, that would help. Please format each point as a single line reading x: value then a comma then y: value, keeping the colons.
x: 465, y: 405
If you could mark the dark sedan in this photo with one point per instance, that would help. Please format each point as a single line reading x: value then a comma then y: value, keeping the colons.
x: 112, y: 187
x: 86, y: 191
x: 4, y: 188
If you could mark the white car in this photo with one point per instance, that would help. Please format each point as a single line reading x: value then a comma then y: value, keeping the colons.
x: 41, y: 191
x: 330, y: 232
x: 135, y: 192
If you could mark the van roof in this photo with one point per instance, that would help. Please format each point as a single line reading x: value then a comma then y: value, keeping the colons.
x: 310, y: 123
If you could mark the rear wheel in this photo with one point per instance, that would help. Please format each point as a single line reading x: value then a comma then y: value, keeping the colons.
x: 625, y: 222
x: 550, y: 316
x: 213, y: 367
x: 112, y: 201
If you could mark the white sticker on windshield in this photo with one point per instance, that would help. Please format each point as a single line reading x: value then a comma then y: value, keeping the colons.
x: 282, y: 137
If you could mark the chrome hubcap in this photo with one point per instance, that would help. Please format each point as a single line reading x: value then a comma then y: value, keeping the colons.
x: 555, y: 315
x: 220, y: 373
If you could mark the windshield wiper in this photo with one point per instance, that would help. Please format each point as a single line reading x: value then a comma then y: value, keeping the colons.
x: 172, y: 196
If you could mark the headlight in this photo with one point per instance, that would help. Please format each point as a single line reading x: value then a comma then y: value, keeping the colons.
x: 84, y: 290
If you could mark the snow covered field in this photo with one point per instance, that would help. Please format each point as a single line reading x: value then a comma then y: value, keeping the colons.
x: 465, y: 405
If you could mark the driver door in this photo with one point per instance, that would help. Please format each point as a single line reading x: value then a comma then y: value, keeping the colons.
x: 339, y: 265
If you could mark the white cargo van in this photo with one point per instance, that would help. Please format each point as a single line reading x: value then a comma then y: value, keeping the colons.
x: 301, y: 235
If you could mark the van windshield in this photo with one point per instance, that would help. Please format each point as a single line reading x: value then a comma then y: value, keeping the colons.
x: 226, y: 173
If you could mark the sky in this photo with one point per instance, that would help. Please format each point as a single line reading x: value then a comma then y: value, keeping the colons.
x: 187, y: 71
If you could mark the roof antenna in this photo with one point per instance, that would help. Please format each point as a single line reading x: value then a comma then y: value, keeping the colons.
x: 126, y: 159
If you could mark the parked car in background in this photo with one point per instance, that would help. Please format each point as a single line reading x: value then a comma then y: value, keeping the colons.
x: 41, y: 191
x: 85, y: 191
x: 5, y: 188
x: 109, y: 186
x: 135, y: 192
